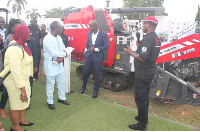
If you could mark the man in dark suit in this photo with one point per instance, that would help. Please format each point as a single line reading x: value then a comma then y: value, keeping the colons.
x: 36, y: 34
x: 96, y: 44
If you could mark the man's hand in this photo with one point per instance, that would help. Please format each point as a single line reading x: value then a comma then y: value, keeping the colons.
x: 128, y: 50
x: 92, y: 48
x: 1, y: 37
x: 23, y: 94
x: 35, y: 69
x: 59, y: 60
x: 137, y: 43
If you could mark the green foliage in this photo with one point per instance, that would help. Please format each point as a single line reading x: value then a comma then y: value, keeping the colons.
x: 17, y: 6
x: 141, y: 3
x: 198, y: 14
x: 33, y: 14
x: 54, y: 13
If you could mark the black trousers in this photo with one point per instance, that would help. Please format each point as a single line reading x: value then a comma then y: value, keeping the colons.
x: 35, y: 75
x: 31, y: 84
x: 4, y: 98
x: 142, y: 88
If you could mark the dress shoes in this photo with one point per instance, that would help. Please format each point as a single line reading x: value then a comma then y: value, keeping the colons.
x: 137, y: 127
x: 95, y: 95
x: 14, y: 130
x: 29, y: 124
x: 81, y: 90
x: 64, y: 102
x: 51, y: 106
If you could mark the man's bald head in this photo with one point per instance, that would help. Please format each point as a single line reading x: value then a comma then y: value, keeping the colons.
x: 43, y: 28
x: 93, y: 25
x: 2, y: 23
x: 2, y: 20
x: 93, y: 22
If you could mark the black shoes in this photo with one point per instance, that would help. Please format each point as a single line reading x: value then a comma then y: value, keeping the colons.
x: 137, y: 127
x: 64, y: 102
x: 14, y: 130
x: 136, y: 118
x: 29, y: 124
x: 81, y: 90
x: 95, y: 95
x: 51, y: 106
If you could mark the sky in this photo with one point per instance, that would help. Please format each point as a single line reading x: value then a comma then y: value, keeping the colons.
x: 178, y: 10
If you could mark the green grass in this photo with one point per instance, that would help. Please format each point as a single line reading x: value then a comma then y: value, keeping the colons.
x: 84, y: 114
x: 101, y: 114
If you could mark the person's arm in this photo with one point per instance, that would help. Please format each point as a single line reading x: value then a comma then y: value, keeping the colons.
x: 41, y: 39
x: 41, y: 42
x: 5, y: 71
x: 35, y: 54
x: 1, y: 44
x: 87, y: 43
x: 131, y: 53
x: 105, y: 43
x: 147, y: 43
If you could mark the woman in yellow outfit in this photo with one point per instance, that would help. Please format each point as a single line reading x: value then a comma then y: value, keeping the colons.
x: 20, y: 64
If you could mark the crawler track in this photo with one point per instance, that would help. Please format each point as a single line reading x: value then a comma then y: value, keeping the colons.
x: 109, y: 80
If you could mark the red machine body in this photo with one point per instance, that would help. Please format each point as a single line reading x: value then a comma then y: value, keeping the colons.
x: 185, y: 48
x: 77, y: 28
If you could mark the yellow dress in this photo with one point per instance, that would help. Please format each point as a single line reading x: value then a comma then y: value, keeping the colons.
x: 21, y: 69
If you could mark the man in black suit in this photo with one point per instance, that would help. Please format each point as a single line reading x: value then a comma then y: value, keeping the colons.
x: 64, y: 38
x: 36, y: 34
x: 96, y: 44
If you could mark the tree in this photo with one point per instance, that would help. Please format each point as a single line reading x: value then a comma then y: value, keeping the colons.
x: 33, y: 14
x: 198, y: 15
x: 17, y: 6
x: 141, y: 3
x: 54, y: 13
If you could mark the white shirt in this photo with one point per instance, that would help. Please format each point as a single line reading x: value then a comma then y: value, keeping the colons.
x: 2, y: 32
x: 94, y: 37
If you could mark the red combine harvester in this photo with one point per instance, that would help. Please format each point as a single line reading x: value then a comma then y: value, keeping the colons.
x: 118, y: 68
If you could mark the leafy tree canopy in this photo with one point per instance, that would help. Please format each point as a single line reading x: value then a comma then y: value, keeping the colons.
x: 17, y: 6
x: 33, y: 14
x: 54, y: 13
x: 198, y: 14
x: 141, y: 3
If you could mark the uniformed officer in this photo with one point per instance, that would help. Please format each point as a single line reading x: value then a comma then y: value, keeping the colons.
x: 145, y: 68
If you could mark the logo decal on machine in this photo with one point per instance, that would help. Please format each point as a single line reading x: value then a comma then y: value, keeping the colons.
x: 183, y: 52
x: 170, y: 49
x: 75, y: 26
x: 196, y: 96
x: 178, y: 47
x: 158, y: 93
